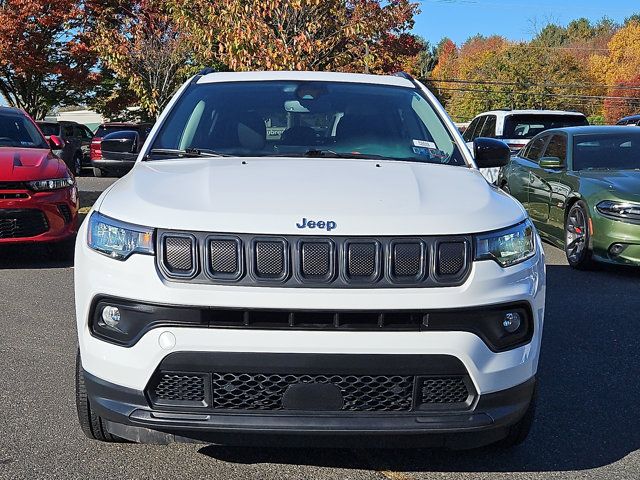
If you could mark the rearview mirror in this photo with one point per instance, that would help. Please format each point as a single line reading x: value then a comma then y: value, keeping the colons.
x: 550, y: 162
x: 55, y: 142
x: 490, y: 153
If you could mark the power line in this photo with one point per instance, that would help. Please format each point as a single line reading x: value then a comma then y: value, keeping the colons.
x: 544, y: 94
x: 532, y: 85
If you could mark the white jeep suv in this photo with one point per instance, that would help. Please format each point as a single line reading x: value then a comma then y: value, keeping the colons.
x: 308, y: 255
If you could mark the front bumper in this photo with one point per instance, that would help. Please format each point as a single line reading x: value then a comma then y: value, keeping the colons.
x: 119, y: 165
x: 607, y: 232
x: 485, y: 419
x: 60, y: 208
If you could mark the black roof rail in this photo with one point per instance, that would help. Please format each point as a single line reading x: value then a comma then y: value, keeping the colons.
x: 207, y: 71
x: 404, y: 75
x: 201, y: 73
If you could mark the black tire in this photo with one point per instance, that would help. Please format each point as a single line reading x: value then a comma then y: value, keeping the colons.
x: 77, y: 164
x: 92, y: 425
x: 578, y: 237
x: 518, y: 432
x: 98, y: 172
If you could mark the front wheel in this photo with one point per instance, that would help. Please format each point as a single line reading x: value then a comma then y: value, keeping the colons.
x: 577, y: 237
x: 98, y: 172
x: 92, y: 425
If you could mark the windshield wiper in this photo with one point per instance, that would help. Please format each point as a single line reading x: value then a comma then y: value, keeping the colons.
x: 186, y: 153
x: 317, y: 153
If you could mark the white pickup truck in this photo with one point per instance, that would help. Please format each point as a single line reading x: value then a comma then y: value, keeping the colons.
x: 354, y: 277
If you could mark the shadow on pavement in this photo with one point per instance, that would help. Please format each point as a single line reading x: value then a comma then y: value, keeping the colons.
x: 588, y: 391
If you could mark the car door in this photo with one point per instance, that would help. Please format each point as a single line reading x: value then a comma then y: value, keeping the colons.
x: 536, y: 204
x: 85, y: 135
x: 556, y: 184
x: 70, y: 144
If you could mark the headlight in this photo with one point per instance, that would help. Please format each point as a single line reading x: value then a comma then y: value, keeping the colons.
x: 621, y: 210
x: 118, y: 239
x: 507, y: 247
x: 53, y: 184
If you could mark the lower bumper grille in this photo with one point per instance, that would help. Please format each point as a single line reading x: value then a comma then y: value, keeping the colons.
x: 22, y: 223
x: 268, y: 391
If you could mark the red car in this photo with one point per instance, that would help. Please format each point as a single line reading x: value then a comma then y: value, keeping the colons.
x: 38, y: 193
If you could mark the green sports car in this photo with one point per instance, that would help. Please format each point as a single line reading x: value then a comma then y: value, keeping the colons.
x: 581, y: 187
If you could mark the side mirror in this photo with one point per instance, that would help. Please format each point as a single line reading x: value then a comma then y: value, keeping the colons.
x: 120, y: 145
x: 490, y: 153
x: 55, y: 142
x: 552, y: 163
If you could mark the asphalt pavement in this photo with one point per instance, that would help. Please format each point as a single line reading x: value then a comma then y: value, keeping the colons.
x: 587, y: 426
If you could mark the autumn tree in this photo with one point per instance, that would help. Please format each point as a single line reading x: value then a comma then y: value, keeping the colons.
x: 43, y: 61
x: 623, y: 100
x: 446, y: 69
x: 349, y: 35
x: 139, y: 42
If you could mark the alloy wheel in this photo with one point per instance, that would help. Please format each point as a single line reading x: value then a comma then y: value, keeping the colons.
x: 576, y: 234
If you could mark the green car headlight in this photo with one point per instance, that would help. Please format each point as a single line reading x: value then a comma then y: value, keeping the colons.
x: 118, y: 239
x: 619, y: 210
x: 507, y: 247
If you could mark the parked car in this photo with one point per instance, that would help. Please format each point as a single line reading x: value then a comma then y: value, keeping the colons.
x: 38, y: 194
x: 107, y: 166
x: 581, y: 187
x: 358, y: 278
x: 632, y: 120
x: 517, y: 127
x: 77, y: 140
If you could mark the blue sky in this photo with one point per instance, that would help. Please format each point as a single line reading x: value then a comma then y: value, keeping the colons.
x: 514, y: 19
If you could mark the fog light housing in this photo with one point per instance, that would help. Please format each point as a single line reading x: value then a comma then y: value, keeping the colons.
x: 616, y: 249
x: 111, y: 317
x: 511, y: 322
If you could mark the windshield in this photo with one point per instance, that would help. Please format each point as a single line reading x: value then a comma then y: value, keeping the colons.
x: 528, y: 126
x: 291, y: 118
x: 18, y: 131
x: 620, y: 151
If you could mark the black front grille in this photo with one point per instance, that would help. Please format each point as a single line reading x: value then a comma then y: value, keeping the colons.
x: 360, y: 393
x: 362, y: 260
x: 178, y: 252
x: 12, y: 196
x: 224, y: 256
x: 180, y: 389
x: 267, y: 391
x: 443, y: 390
x: 451, y: 258
x: 298, y: 261
x: 270, y: 261
x: 22, y: 223
x: 316, y: 259
x: 408, y: 260
x: 13, y: 186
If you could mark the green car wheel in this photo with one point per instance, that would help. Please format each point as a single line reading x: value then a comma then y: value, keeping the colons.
x: 577, y: 237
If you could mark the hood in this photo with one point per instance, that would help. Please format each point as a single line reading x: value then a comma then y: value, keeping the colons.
x: 623, y: 183
x: 24, y: 164
x: 274, y: 195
